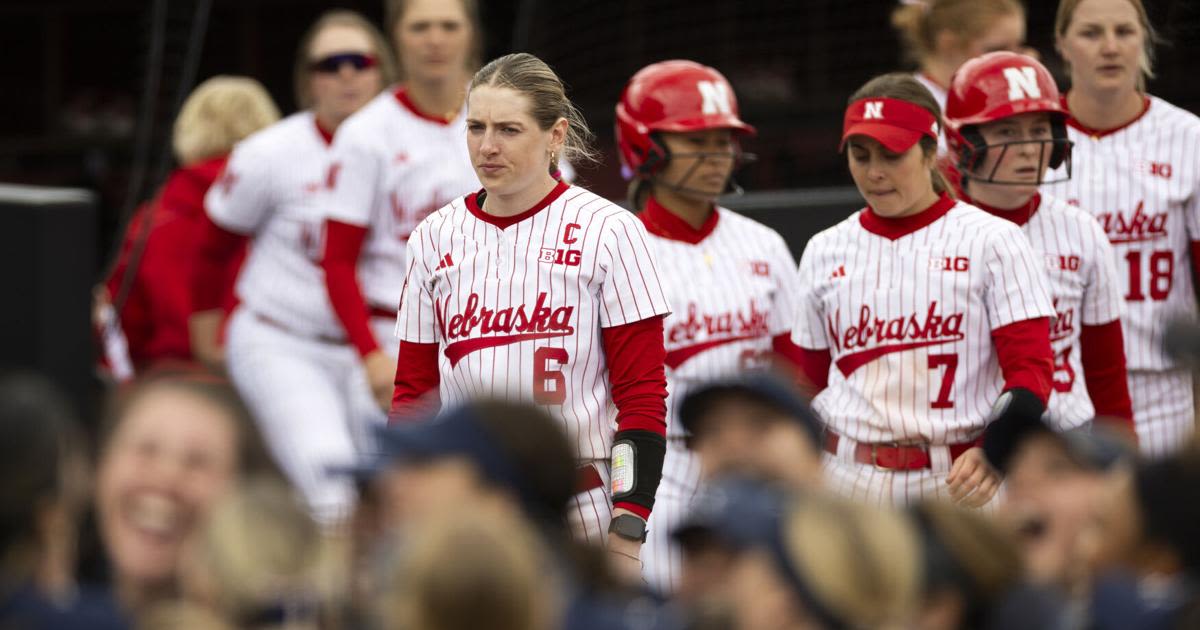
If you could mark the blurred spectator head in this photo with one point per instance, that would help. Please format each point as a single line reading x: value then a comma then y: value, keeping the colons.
x: 173, y: 444
x: 949, y: 32
x: 830, y: 563
x: 1055, y: 485
x: 488, y: 451
x: 758, y: 426
x: 474, y: 567
x: 218, y: 114
x: 262, y: 561
x: 43, y: 462
x: 969, y: 566
x: 1169, y: 515
x: 435, y: 39
x: 341, y: 32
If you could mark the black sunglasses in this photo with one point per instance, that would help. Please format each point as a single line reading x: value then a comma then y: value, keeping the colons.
x: 333, y: 63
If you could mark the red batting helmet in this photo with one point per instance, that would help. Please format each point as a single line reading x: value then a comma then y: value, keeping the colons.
x: 995, y: 86
x: 671, y: 96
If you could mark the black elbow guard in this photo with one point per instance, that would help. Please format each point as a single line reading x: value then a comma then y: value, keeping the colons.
x: 637, y: 463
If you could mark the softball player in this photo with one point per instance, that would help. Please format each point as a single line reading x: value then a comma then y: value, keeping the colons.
x: 393, y: 163
x: 286, y: 352
x: 731, y: 281
x: 916, y: 313
x: 1004, y: 127
x: 537, y: 290
x: 1136, y: 162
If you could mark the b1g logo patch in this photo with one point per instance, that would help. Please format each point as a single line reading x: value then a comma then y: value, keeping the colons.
x: 760, y: 268
x: 568, y: 257
x: 949, y: 263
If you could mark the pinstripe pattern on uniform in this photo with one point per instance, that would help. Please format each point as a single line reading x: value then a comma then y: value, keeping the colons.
x: 1143, y: 184
x: 392, y: 168
x: 736, y: 289
x: 272, y: 191
x: 1086, y: 292
x: 561, y: 308
x: 1166, y: 417
x: 854, y: 283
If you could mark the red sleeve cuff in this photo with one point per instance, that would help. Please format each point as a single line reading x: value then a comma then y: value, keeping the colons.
x: 417, y: 379
x: 642, y: 512
x: 814, y: 369
x: 1023, y: 350
x: 1102, y: 351
x: 343, y: 244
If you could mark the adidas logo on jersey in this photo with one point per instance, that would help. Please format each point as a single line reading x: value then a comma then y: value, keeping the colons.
x: 840, y: 272
x: 445, y: 263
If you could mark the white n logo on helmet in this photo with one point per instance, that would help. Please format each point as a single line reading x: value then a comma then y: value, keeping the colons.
x: 715, y: 97
x: 1022, y: 83
x: 873, y: 110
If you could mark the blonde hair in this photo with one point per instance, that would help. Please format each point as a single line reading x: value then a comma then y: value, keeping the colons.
x: 302, y: 75
x: 986, y: 554
x: 861, y: 563
x: 394, y: 12
x: 218, y: 114
x: 919, y: 22
x: 531, y: 76
x: 902, y: 86
x: 262, y: 551
x: 473, y: 569
x: 1066, y: 12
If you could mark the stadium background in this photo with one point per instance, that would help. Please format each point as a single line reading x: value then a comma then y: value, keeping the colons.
x: 77, y: 72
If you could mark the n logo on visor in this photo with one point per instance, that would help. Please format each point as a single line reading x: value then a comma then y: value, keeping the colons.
x: 715, y: 97
x: 1022, y: 83
x: 873, y: 110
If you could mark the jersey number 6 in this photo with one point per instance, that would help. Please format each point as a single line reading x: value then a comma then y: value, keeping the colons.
x: 549, y: 386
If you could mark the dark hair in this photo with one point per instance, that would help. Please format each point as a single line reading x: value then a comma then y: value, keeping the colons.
x: 38, y: 434
x: 253, y: 458
x: 902, y: 86
x: 1170, y: 514
x: 302, y: 76
x: 537, y: 447
x: 531, y: 76
x: 394, y: 12
x: 919, y: 22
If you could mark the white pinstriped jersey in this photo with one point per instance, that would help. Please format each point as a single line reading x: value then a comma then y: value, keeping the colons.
x: 391, y: 168
x: 272, y: 190
x: 908, y: 322
x: 518, y: 310
x: 730, y: 294
x: 1143, y: 184
x: 1085, y: 290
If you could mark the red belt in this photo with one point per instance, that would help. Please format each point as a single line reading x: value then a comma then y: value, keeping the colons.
x: 587, y: 478
x: 894, y: 456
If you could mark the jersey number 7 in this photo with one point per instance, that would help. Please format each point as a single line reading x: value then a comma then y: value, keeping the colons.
x: 950, y: 362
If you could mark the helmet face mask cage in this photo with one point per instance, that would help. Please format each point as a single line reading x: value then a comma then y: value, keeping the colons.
x: 660, y: 156
x: 974, y: 150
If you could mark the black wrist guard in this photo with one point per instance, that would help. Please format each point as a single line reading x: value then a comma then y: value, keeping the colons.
x: 1015, y: 412
x: 637, y: 462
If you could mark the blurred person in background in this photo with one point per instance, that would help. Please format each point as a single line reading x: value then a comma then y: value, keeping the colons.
x: 756, y: 426
x: 286, y: 351
x: 45, y: 490
x: 472, y: 567
x: 730, y: 280
x: 1134, y: 157
x: 262, y: 562
x: 146, y: 297
x: 173, y: 444
x: 393, y: 163
x: 1005, y: 126
x: 938, y: 36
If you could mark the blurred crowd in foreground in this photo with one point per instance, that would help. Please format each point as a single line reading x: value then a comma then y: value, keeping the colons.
x: 461, y: 523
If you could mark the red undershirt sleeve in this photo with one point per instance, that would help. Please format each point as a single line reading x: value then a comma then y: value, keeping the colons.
x: 1023, y: 350
x: 417, y: 379
x: 636, y: 355
x: 210, y: 275
x: 814, y: 369
x: 786, y: 349
x: 1102, y: 350
x: 343, y: 244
